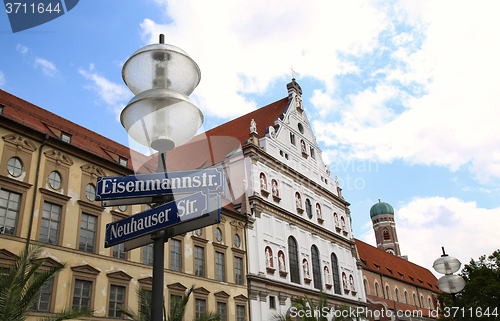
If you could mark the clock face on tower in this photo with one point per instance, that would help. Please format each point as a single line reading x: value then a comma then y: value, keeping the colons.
x: 391, y: 251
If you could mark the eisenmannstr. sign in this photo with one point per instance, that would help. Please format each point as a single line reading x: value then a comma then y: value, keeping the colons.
x: 115, y: 187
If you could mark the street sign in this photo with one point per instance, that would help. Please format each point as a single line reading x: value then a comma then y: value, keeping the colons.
x: 158, y: 218
x: 154, y: 184
x: 213, y: 218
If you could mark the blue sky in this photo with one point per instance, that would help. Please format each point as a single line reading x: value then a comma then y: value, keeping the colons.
x: 401, y: 95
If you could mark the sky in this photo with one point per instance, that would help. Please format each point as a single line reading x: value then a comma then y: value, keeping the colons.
x: 401, y: 95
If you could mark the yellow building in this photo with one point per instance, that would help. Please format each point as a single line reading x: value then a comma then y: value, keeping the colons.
x: 48, y: 173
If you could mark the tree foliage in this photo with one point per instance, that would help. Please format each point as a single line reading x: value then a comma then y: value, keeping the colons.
x: 480, y: 299
x: 20, y: 286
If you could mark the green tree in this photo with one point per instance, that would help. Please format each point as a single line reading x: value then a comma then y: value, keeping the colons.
x: 177, y: 311
x: 20, y: 286
x: 480, y: 299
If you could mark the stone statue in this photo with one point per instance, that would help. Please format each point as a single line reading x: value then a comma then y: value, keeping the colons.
x: 275, y: 188
x: 343, y: 223
x: 351, y: 281
x: 263, y: 183
x: 344, y: 281
x: 268, y: 258
x: 281, y: 261
x: 306, y: 269
x: 336, y: 217
x: 253, y: 127
x: 328, y: 277
x: 297, y: 201
x: 303, y: 146
x: 318, y: 211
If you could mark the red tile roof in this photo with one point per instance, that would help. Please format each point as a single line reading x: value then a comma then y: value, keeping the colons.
x: 393, y: 305
x: 371, y: 257
x: 41, y: 120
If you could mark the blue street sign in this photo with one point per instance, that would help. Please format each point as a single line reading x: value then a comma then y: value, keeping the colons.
x: 116, y: 187
x: 166, y: 215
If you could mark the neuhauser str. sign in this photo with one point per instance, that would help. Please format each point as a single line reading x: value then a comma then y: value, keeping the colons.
x: 169, y: 214
x: 116, y: 187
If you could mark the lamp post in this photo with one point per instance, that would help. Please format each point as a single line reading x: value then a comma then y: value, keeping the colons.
x: 161, y: 116
x: 449, y: 283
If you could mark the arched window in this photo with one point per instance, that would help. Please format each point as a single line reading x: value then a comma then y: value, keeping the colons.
x: 406, y: 297
x: 387, y: 292
x: 415, y: 299
x: 386, y: 235
x: 335, y: 273
x: 309, y: 208
x: 293, y: 257
x: 367, y: 289
x: 430, y: 303
x: 422, y: 301
x: 397, y: 295
x: 316, y: 267
x: 377, y: 291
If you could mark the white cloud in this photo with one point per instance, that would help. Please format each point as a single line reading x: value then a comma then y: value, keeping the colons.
x: 243, y: 52
x: 2, y: 79
x: 424, y: 225
x: 112, y: 94
x: 47, y: 67
x: 446, y: 91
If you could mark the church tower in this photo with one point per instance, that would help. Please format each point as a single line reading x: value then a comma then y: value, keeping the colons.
x: 382, y: 216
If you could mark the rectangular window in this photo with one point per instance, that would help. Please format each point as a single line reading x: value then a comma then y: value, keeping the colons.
x: 199, y: 261
x: 292, y: 138
x: 123, y: 161
x: 42, y: 302
x: 81, y: 294
x: 175, y: 255
x: 221, y: 310
x: 312, y: 152
x: 65, y: 137
x: 240, y: 313
x: 119, y: 251
x: 200, y: 308
x: 175, y: 301
x: 147, y: 254
x: 219, y: 266
x: 272, y: 302
x: 51, y: 217
x: 9, y: 210
x: 88, y: 227
x: 116, y: 299
x: 238, y: 270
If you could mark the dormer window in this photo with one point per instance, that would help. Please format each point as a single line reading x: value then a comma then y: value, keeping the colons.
x: 65, y: 137
x: 123, y: 161
x: 292, y: 138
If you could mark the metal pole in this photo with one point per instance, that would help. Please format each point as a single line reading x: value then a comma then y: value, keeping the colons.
x: 158, y: 260
x: 158, y: 277
x: 454, y: 296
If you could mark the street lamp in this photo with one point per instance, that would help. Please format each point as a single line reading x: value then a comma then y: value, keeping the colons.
x: 161, y: 116
x: 449, y: 283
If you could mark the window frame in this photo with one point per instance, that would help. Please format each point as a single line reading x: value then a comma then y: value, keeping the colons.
x: 293, y: 258
x: 202, y: 259
x: 143, y: 252
x: 119, y: 279
x: 181, y: 247
x: 16, y: 160
x: 217, y: 265
x: 242, y: 271
x: 316, y: 267
x: 85, y: 273
x: 94, y: 231
x: 335, y: 273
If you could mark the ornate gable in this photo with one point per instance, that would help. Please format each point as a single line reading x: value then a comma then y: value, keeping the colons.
x: 177, y: 286
x: 20, y: 142
x: 93, y: 170
x: 201, y: 290
x: 146, y: 281
x: 221, y: 295
x: 59, y: 157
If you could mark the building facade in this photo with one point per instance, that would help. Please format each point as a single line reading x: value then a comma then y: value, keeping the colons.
x: 48, y: 173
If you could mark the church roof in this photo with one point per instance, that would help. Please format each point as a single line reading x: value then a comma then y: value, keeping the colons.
x: 381, y: 262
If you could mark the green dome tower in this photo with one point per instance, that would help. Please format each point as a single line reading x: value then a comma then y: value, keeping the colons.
x: 382, y: 216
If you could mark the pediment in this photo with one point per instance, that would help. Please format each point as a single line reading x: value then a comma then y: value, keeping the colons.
x: 221, y: 294
x: 7, y: 255
x: 20, y: 142
x: 93, y: 170
x: 177, y: 286
x: 241, y: 297
x: 119, y: 275
x: 59, y: 157
x: 201, y: 290
x: 49, y: 262
x: 86, y: 269
x: 146, y: 281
